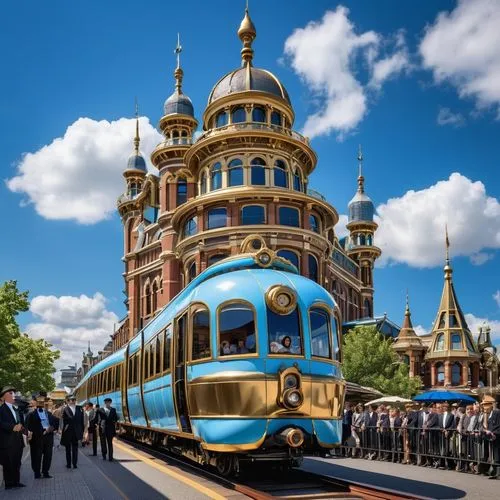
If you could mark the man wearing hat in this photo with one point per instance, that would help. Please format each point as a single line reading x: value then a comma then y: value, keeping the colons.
x: 491, y: 424
x: 11, y: 439
x: 107, y: 423
x: 41, y: 423
x: 72, y: 431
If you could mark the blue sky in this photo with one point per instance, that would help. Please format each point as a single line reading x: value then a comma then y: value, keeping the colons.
x: 414, y: 82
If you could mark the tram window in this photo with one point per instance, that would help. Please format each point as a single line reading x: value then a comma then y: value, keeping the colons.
x: 201, y: 335
x: 336, y: 342
x: 167, y: 343
x: 146, y: 362
x: 151, y: 360
x: 136, y: 369
x: 130, y: 371
x: 118, y: 376
x: 320, y: 335
x: 284, y: 333
x: 181, y: 333
x: 236, y: 330
x: 158, y: 355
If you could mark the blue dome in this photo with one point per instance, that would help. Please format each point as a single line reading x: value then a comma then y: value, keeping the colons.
x: 178, y: 104
x: 361, y: 208
x: 136, y: 162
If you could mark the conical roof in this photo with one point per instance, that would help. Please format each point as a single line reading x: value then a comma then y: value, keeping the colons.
x: 407, y: 339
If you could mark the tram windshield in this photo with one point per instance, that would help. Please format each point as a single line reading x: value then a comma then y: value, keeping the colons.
x: 284, y: 333
x: 236, y: 330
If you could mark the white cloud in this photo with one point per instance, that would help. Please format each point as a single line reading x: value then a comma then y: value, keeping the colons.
x: 411, y: 228
x: 78, y: 176
x: 324, y: 54
x: 461, y: 48
x: 496, y: 297
x: 447, y: 117
x: 340, y: 227
x: 420, y: 330
x: 69, y: 323
x: 478, y: 259
x: 475, y: 322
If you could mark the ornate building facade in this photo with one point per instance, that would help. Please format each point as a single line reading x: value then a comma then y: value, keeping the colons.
x: 246, y: 173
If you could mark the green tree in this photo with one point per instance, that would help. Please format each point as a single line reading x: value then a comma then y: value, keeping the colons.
x: 369, y: 360
x: 24, y: 362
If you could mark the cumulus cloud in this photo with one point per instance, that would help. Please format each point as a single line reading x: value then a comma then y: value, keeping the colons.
x: 78, y: 176
x: 69, y: 323
x: 340, y: 227
x: 324, y: 55
x: 447, y: 117
x: 461, y: 48
x: 420, y: 330
x: 475, y: 322
x: 478, y: 259
x: 496, y: 297
x: 411, y: 228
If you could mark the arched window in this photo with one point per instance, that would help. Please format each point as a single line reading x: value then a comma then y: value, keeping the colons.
x: 175, y: 137
x: 215, y: 176
x: 367, y: 309
x: 456, y: 373
x: 147, y: 298
x: 154, y: 298
x: 190, y: 227
x: 314, y: 223
x: 362, y: 239
x: 236, y: 330
x: 203, y: 183
x: 133, y: 190
x: 452, y: 320
x: 258, y: 172
x: 192, y: 271
x: 289, y: 216
x: 201, y: 335
x: 291, y: 256
x: 239, y: 115
x: 313, y: 268
x: 216, y: 218
x: 297, y: 181
x: 235, y: 172
x: 369, y: 240
x: 221, y: 119
x: 440, y: 342
x: 320, y: 333
x: 181, y: 191
x: 440, y: 374
x: 276, y: 118
x: 259, y: 114
x: 406, y: 359
x: 184, y: 136
x: 456, y: 342
x: 442, y: 320
x: 253, y: 214
x: 215, y: 258
x: 280, y: 174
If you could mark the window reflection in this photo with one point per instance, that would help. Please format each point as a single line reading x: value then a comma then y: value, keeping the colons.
x: 291, y: 256
x: 280, y: 174
x: 258, y: 172
x: 253, y: 214
x: 236, y: 330
x: 258, y: 114
x: 235, y: 172
x: 239, y: 115
x: 284, y: 333
x: 320, y: 334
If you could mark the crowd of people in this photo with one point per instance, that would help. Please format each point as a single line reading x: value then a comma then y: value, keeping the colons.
x: 439, y: 435
x: 41, y: 424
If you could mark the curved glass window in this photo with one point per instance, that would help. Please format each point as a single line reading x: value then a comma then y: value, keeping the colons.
x: 181, y: 191
x: 190, y: 227
x: 280, y: 174
x: 216, y: 176
x: 313, y: 268
x: 221, y: 119
x: 284, y: 333
x: 336, y: 341
x: 319, y: 320
x: 216, y: 218
x: 314, y: 223
x: 216, y: 258
x: 201, y: 335
x: 258, y: 172
x: 259, y: 115
x: 440, y: 374
x: 175, y: 137
x: 203, y: 183
x: 133, y: 190
x: 235, y: 172
x: 297, y: 181
x: 239, y: 115
x: 236, y: 330
x: 253, y: 214
x: 440, y: 342
x: 276, y: 118
x: 456, y: 342
x: 456, y: 374
x: 289, y: 216
x: 192, y: 271
x: 291, y: 256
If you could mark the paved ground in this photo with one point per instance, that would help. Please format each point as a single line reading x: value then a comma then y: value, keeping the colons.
x: 432, y: 483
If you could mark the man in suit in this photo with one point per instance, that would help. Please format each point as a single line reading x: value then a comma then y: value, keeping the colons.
x: 432, y: 429
x: 72, y: 431
x: 41, y: 424
x: 370, y: 427
x: 447, y: 424
x: 346, y: 428
x: 491, y: 422
x: 107, y: 423
x: 92, y: 426
x: 11, y: 439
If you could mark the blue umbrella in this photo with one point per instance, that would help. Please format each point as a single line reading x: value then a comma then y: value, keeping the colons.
x: 444, y: 396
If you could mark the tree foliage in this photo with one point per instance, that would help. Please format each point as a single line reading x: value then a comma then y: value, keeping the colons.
x: 370, y: 360
x: 26, y: 363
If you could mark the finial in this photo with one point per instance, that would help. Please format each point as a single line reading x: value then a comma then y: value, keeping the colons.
x: 178, y: 73
x: 407, y: 302
x: 361, y: 179
x: 247, y: 34
x: 137, y: 139
x: 447, y: 267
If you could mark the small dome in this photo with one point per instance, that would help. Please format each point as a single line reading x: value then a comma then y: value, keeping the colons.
x: 361, y: 208
x: 236, y: 81
x: 178, y: 104
x: 136, y: 162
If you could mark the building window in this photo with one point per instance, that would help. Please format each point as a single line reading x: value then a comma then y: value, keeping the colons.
x: 154, y: 298
x: 201, y: 335
x: 297, y: 181
x: 289, y: 216
x: 236, y: 330
x: 215, y: 258
x: 203, y: 183
x: 313, y: 268
x: 470, y: 347
x: 456, y: 342
x: 456, y: 374
x: 442, y: 320
x: 291, y: 256
x: 440, y: 374
x: 190, y: 227
x: 258, y: 114
x: 367, y: 309
x: 216, y: 176
x: 280, y: 174
x: 258, y: 172
x: 314, y: 223
x: 253, y: 214
x: 284, y: 333
x: 192, y: 271
x: 319, y: 321
x: 216, y: 218
x: 181, y: 191
x: 239, y: 115
x: 175, y: 137
x: 440, y: 342
x: 276, y: 118
x: 221, y: 119
x: 452, y: 320
x: 235, y: 172
x: 147, y: 298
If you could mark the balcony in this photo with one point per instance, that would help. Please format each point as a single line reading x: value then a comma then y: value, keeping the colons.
x: 316, y: 194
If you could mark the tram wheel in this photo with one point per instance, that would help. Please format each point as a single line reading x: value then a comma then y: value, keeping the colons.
x: 224, y: 465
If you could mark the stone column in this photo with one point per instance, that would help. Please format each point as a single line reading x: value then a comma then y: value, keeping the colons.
x: 475, y: 374
x: 465, y: 373
x: 433, y: 375
x: 447, y: 373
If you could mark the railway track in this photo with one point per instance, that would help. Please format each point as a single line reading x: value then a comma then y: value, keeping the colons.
x: 265, y: 484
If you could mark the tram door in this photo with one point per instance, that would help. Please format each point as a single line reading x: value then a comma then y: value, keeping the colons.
x: 179, y: 373
x: 123, y: 386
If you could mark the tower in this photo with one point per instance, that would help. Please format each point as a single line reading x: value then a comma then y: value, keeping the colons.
x: 360, y: 247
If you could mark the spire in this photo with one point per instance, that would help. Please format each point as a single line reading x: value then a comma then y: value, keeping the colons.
x: 178, y: 73
x: 137, y: 139
x: 447, y: 268
x: 247, y: 34
x: 407, y: 338
x: 407, y: 321
x: 361, y: 179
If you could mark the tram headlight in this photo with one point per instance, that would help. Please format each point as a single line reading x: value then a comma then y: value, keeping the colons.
x: 293, y: 398
x: 264, y: 258
x: 291, y: 382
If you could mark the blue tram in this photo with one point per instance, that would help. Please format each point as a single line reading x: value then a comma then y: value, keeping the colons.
x: 243, y: 364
